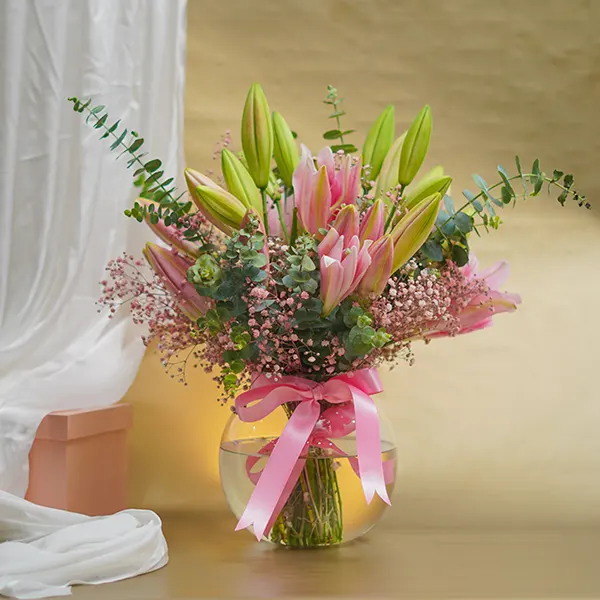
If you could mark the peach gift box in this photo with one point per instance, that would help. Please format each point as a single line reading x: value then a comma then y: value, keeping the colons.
x: 78, y: 461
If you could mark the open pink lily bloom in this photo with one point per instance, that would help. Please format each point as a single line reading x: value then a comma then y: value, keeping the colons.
x: 480, y: 310
x: 343, y: 265
x: 322, y: 188
x: 172, y: 269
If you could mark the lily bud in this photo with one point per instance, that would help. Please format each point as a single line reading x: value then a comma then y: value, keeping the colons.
x: 221, y: 207
x: 346, y: 222
x: 373, y: 222
x: 388, y: 177
x: 413, y: 229
x: 415, y: 146
x: 238, y: 180
x: 170, y: 234
x: 194, y: 179
x: 378, y: 141
x: 426, y: 187
x: 382, y: 258
x: 257, y: 135
x: 172, y: 269
x: 284, y: 149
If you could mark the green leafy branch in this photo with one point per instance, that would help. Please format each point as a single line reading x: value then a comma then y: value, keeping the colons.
x: 337, y: 134
x: 149, y: 175
x: 450, y: 239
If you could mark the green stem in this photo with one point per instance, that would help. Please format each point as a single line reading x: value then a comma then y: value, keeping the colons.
x: 284, y: 229
x: 337, y: 119
x: 394, y: 209
x: 263, y: 193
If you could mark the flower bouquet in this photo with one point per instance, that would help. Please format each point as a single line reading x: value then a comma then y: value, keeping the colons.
x: 294, y: 277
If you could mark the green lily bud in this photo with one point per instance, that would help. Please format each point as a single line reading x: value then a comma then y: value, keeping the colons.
x: 221, y: 207
x: 413, y: 229
x: 426, y: 187
x: 206, y: 272
x: 388, y: 176
x: 285, y: 149
x: 257, y: 135
x: 238, y: 180
x: 378, y: 141
x: 415, y: 146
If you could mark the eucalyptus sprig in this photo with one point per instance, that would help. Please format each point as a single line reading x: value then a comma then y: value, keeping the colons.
x: 149, y: 176
x: 337, y: 134
x: 450, y: 240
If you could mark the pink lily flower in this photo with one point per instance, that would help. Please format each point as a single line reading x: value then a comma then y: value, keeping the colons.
x: 380, y: 269
x: 321, y: 189
x: 312, y: 193
x: 342, y: 266
x: 373, y: 222
x: 346, y: 222
x: 172, y: 269
x: 480, y: 310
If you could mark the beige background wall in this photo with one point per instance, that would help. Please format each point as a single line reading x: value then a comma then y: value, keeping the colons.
x: 501, y: 427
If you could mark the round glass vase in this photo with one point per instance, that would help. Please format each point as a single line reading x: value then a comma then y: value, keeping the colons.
x: 326, y: 505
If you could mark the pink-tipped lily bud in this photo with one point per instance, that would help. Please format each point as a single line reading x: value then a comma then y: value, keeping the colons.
x: 171, y: 235
x: 382, y: 258
x: 414, y: 148
x: 413, y: 229
x: 257, y: 135
x: 285, y: 150
x: 195, y: 179
x: 239, y: 182
x: 221, y: 207
x: 373, y: 221
x: 378, y: 141
x: 172, y: 270
x: 346, y: 222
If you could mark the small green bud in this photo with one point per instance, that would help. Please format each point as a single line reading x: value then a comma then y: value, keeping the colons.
x: 415, y: 146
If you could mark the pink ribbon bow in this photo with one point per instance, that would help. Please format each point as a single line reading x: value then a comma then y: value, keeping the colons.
x: 273, y: 487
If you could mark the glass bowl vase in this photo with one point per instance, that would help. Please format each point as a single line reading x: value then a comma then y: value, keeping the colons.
x: 326, y: 505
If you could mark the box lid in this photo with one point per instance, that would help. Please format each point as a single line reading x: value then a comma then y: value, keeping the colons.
x: 73, y: 424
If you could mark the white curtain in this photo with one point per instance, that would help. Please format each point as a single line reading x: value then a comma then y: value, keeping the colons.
x: 62, y: 196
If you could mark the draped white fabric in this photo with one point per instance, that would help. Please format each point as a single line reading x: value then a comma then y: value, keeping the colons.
x: 45, y: 551
x: 62, y: 195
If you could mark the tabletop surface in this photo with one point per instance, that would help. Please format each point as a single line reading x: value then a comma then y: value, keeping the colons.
x: 209, y: 560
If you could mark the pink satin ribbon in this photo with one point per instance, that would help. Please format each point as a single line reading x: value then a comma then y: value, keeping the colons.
x: 277, y: 478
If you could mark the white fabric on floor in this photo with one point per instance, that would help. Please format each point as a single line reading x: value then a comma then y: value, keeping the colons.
x: 62, y: 196
x: 50, y: 550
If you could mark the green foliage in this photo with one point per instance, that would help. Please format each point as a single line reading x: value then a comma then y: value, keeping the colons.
x: 450, y: 238
x: 148, y: 176
x: 337, y: 134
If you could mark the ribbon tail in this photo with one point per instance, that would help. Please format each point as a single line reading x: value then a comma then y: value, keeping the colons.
x: 368, y: 446
x: 278, y: 470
